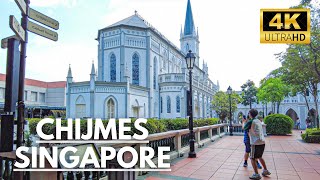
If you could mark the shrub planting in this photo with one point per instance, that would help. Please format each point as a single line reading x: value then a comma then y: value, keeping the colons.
x: 279, y: 124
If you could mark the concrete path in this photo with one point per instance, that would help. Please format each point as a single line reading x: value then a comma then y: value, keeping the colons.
x: 287, y: 157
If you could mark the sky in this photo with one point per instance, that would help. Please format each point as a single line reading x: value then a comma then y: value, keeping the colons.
x: 229, y: 33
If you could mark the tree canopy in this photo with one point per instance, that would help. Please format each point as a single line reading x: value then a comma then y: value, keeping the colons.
x: 249, y: 92
x: 221, y: 103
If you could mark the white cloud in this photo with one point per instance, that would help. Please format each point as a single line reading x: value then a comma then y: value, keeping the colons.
x: 229, y: 38
x: 49, y: 61
x: 50, y: 3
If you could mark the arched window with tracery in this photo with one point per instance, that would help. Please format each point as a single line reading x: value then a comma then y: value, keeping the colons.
x: 161, y: 105
x: 155, y: 73
x: 110, y: 109
x: 113, y: 68
x: 178, y: 104
x: 168, y: 105
x: 135, y: 69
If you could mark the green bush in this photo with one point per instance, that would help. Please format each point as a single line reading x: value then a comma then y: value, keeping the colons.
x: 311, y: 135
x: 279, y: 124
x: 152, y: 125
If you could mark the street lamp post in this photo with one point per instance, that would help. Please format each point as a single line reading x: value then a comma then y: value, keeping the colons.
x: 190, y: 58
x: 229, y: 91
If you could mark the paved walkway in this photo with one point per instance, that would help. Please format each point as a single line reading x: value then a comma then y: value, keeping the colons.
x: 287, y: 157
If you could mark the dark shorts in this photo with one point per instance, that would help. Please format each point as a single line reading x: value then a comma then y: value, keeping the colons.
x: 257, y: 151
x: 248, y: 147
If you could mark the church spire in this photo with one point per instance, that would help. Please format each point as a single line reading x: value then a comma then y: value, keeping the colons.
x: 69, y: 72
x: 189, y: 24
x: 93, y: 72
x: 69, y: 76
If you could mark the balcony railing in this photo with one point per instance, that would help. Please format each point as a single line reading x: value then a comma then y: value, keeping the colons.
x: 180, y: 77
x: 237, y: 129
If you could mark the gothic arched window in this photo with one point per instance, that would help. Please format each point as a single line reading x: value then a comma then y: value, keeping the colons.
x: 155, y: 73
x: 168, y: 105
x: 178, y: 104
x: 161, y: 104
x: 187, y: 47
x: 135, y: 69
x: 110, y: 109
x: 113, y: 68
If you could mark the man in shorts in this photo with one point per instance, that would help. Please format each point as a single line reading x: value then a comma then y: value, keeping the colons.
x: 246, y: 123
x: 257, y: 142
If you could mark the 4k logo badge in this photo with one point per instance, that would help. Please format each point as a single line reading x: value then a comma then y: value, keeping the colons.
x: 288, y: 26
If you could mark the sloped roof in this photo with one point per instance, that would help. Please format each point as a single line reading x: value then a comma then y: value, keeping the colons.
x: 37, y: 83
x: 137, y: 21
x: 133, y: 20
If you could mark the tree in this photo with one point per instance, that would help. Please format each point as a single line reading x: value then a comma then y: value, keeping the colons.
x: 220, y: 103
x: 295, y: 80
x: 273, y: 90
x: 301, y: 62
x: 249, y: 92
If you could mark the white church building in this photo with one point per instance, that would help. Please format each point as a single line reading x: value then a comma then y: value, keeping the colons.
x: 141, y: 73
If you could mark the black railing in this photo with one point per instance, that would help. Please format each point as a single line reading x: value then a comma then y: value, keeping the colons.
x: 95, y: 175
x: 214, y: 131
x: 185, y: 140
x: 162, y: 142
x: 204, y: 135
x: 222, y: 129
x: 237, y: 129
x: 7, y: 169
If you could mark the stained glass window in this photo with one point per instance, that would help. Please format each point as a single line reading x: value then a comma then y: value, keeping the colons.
x: 161, y: 104
x: 178, y: 104
x: 155, y: 73
x: 168, y: 105
x: 135, y: 69
x: 113, y: 68
x: 110, y: 109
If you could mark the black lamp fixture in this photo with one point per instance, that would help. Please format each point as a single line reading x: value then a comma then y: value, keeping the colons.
x: 229, y: 92
x: 190, y: 59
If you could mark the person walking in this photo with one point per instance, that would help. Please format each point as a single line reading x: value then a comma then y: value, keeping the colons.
x: 298, y: 123
x: 246, y: 141
x: 257, y: 142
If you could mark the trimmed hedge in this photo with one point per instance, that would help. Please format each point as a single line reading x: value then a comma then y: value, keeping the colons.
x: 279, y: 124
x: 152, y: 125
x: 311, y: 135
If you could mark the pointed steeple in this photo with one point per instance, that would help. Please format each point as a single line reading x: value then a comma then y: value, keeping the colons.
x: 197, y: 32
x: 69, y: 76
x: 93, y: 71
x: 69, y: 72
x: 189, y: 24
x: 181, y: 33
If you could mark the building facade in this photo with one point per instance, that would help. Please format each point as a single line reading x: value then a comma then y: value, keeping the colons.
x: 295, y: 107
x: 41, y: 98
x: 142, y: 74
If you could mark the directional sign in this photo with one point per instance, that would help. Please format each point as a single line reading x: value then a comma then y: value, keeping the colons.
x: 41, y: 18
x: 22, y: 5
x: 4, y: 42
x: 42, y: 31
x: 16, y: 28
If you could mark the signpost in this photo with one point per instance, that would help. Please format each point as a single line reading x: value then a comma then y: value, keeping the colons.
x: 22, y: 5
x: 18, y: 73
x: 4, y: 42
x: 42, y: 31
x: 16, y: 28
x: 43, y: 19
